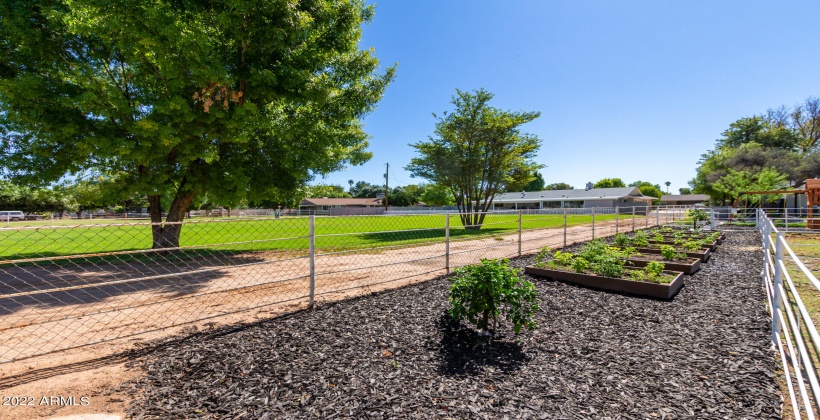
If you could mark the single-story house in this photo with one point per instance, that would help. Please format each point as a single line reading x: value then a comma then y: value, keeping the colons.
x: 593, y: 197
x: 334, y: 203
x: 685, y: 200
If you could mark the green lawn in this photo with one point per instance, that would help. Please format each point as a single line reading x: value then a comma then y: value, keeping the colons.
x: 241, y: 235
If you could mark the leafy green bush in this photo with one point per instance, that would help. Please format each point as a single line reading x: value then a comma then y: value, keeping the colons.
x: 608, y: 265
x: 629, y: 251
x: 640, y: 238
x: 654, y: 268
x: 621, y: 239
x: 692, y: 245
x: 658, y: 237
x: 542, y: 255
x: 668, y: 252
x: 579, y: 265
x: 482, y: 292
x: 563, y: 259
x: 653, y: 273
x: 697, y: 215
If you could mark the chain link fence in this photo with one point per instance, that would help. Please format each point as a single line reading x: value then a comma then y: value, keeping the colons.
x: 68, y: 286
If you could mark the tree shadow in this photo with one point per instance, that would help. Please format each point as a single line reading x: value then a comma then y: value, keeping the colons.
x: 430, y: 234
x: 462, y: 352
x: 81, y: 280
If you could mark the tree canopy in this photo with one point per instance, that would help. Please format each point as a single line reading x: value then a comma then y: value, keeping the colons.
x: 648, y: 189
x: 558, y: 186
x: 537, y: 184
x: 477, y: 151
x: 609, y: 183
x: 763, y: 152
x: 238, y: 100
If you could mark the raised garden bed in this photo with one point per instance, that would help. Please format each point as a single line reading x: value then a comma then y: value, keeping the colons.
x: 690, y: 266
x: 642, y: 288
x: 703, y: 254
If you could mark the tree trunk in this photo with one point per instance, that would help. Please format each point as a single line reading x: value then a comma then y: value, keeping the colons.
x: 166, y: 235
x: 485, y: 320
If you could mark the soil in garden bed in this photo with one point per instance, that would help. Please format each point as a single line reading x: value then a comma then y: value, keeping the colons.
x: 396, y: 354
x: 685, y: 265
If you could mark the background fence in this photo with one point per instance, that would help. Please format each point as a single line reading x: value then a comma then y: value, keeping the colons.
x: 67, y: 286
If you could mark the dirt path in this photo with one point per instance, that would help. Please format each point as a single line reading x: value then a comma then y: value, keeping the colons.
x: 199, y: 295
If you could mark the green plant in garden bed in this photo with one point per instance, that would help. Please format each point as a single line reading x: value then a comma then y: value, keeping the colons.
x: 621, y: 240
x: 640, y: 239
x: 482, y: 292
x: 669, y: 253
x: 652, y: 273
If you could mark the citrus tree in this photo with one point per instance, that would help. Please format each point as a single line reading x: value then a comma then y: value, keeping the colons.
x: 481, y: 293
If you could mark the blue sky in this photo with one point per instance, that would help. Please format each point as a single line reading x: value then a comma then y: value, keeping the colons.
x: 629, y: 89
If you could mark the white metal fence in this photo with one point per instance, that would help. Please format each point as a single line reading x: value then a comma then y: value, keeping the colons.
x: 788, y: 281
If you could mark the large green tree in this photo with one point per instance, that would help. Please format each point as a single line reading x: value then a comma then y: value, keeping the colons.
x: 477, y: 151
x: 648, y: 189
x: 537, y: 184
x: 435, y: 195
x: 785, y: 141
x: 609, y: 183
x: 558, y: 186
x: 240, y: 100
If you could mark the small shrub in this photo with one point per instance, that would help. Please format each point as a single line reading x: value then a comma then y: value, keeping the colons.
x: 658, y: 237
x: 640, y: 238
x: 628, y: 252
x: 668, y: 252
x: 579, y: 265
x: 621, y: 239
x: 692, y: 245
x: 563, y: 259
x: 542, y: 255
x: 608, y: 265
x: 593, y: 250
x: 654, y: 269
x: 697, y: 215
x: 482, y: 292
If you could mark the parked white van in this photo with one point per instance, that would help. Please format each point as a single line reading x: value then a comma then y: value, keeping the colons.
x: 12, y: 215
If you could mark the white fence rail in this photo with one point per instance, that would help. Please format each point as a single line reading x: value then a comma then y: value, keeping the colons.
x: 794, y: 334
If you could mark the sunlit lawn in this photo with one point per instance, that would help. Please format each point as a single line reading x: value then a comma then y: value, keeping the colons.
x: 239, y: 235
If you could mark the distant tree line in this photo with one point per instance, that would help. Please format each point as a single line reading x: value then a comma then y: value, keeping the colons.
x: 775, y: 150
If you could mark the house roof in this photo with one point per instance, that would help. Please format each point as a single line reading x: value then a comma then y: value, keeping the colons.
x: 341, y: 202
x: 573, y: 195
x: 694, y: 198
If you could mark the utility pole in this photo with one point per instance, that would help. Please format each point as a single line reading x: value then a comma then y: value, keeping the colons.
x: 386, y: 187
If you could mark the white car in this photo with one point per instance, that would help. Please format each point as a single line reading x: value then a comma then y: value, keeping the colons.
x: 12, y: 216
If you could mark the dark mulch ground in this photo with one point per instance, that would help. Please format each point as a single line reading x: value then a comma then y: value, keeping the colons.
x: 395, y: 354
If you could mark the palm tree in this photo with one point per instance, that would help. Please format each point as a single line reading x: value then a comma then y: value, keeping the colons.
x: 667, y: 183
x: 350, y: 181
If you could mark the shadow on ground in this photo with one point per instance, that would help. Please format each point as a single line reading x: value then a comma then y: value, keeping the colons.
x: 462, y: 352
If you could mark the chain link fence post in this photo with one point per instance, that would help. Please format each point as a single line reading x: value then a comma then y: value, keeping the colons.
x: 447, y: 243
x: 633, y: 218
x: 657, y: 215
x: 616, y: 219
x: 565, y: 227
x: 778, y: 278
x: 519, y: 232
x: 312, y: 234
x: 593, y: 223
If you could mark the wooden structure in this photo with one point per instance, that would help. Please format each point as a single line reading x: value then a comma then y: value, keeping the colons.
x: 812, y: 200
